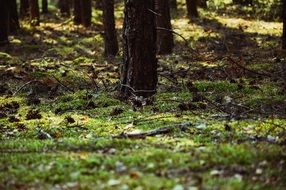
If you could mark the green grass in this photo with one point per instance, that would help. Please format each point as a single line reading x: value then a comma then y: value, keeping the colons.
x: 237, y: 140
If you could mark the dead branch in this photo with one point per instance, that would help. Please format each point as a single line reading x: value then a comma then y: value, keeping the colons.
x: 162, y: 130
x: 63, y: 85
x: 249, y: 70
x: 180, y: 35
x: 23, y: 86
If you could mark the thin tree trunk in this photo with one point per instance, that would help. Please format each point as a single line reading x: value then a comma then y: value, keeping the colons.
x: 284, y: 25
x: 34, y: 12
x: 284, y: 44
x: 77, y: 12
x: 64, y: 6
x: 139, y: 71
x: 192, y: 8
x: 98, y: 4
x: 4, y: 22
x: 243, y: 2
x: 45, y: 6
x: 24, y: 8
x: 165, y: 40
x: 86, y: 12
x: 13, y: 16
x: 82, y: 12
x: 203, y: 4
x: 110, y: 38
x: 173, y: 4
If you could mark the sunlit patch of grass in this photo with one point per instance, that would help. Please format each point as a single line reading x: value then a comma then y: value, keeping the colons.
x: 214, y: 152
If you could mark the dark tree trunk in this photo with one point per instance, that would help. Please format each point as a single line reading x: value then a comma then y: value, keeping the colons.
x: 77, y: 12
x: 13, y: 16
x: 4, y: 22
x: 139, y: 71
x: 284, y: 43
x: 284, y: 25
x: 64, y: 6
x: 165, y: 40
x: 243, y: 2
x: 110, y: 38
x: 24, y: 8
x: 82, y: 12
x: 45, y: 6
x: 34, y: 12
x: 203, y: 4
x: 86, y: 12
x: 192, y: 8
x: 99, y: 4
x: 173, y: 4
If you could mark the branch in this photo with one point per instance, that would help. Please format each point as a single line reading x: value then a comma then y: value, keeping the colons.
x: 249, y: 70
x: 180, y: 35
x: 23, y: 86
x: 162, y: 130
x: 65, y: 86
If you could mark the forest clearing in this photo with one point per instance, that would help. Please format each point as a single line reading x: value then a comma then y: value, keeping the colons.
x: 70, y: 118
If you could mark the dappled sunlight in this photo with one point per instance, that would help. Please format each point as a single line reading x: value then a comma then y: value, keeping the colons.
x: 217, y: 120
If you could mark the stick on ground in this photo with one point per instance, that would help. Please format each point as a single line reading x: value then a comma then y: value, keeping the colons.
x: 153, y: 132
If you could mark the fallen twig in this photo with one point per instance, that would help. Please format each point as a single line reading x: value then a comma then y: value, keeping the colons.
x: 23, y: 86
x: 65, y: 86
x: 249, y: 70
x: 162, y: 130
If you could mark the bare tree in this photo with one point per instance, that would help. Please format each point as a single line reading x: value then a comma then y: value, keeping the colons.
x: 139, y: 71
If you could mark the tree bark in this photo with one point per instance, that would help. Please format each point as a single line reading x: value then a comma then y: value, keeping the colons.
x: 82, y: 12
x: 24, y: 8
x: 284, y: 25
x: 77, y: 12
x: 173, y: 4
x: 243, y: 2
x: 13, y: 16
x: 45, y: 6
x: 64, y: 6
x: 139, y: 70
x: 99, y: 4
x: 165, y: 39
x: 34, y: 13
x: 4, y: 22
x: 86, y: 12
x: 284, y: 44
x: 203, y: 4
x: 192, y: 8
x: 110, y: 38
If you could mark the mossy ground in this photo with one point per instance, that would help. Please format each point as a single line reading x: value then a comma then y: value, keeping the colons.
x: 237, y: 140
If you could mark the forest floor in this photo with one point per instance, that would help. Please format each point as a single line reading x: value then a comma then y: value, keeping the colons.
x: 63, y: 126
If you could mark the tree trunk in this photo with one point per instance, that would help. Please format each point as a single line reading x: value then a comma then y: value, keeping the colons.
x: 77, y: 12
x: 64, y: 6
x: 110, y: 38
x: 165, y: 40
x: 24, y: 8
x: 98, y: 4
x: 139, y: 70
x: 4, y: 22
x: 284, y: 25
x: 13, y: 16
x: 284, y: 44
x: 82, y: 12
x: 34, y: 13
x: 243, y: 2
x: 173, y: 4
x: 192, y: 8
x: 86, y: 12
x: 203, y: 4
x: 45, y: 6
